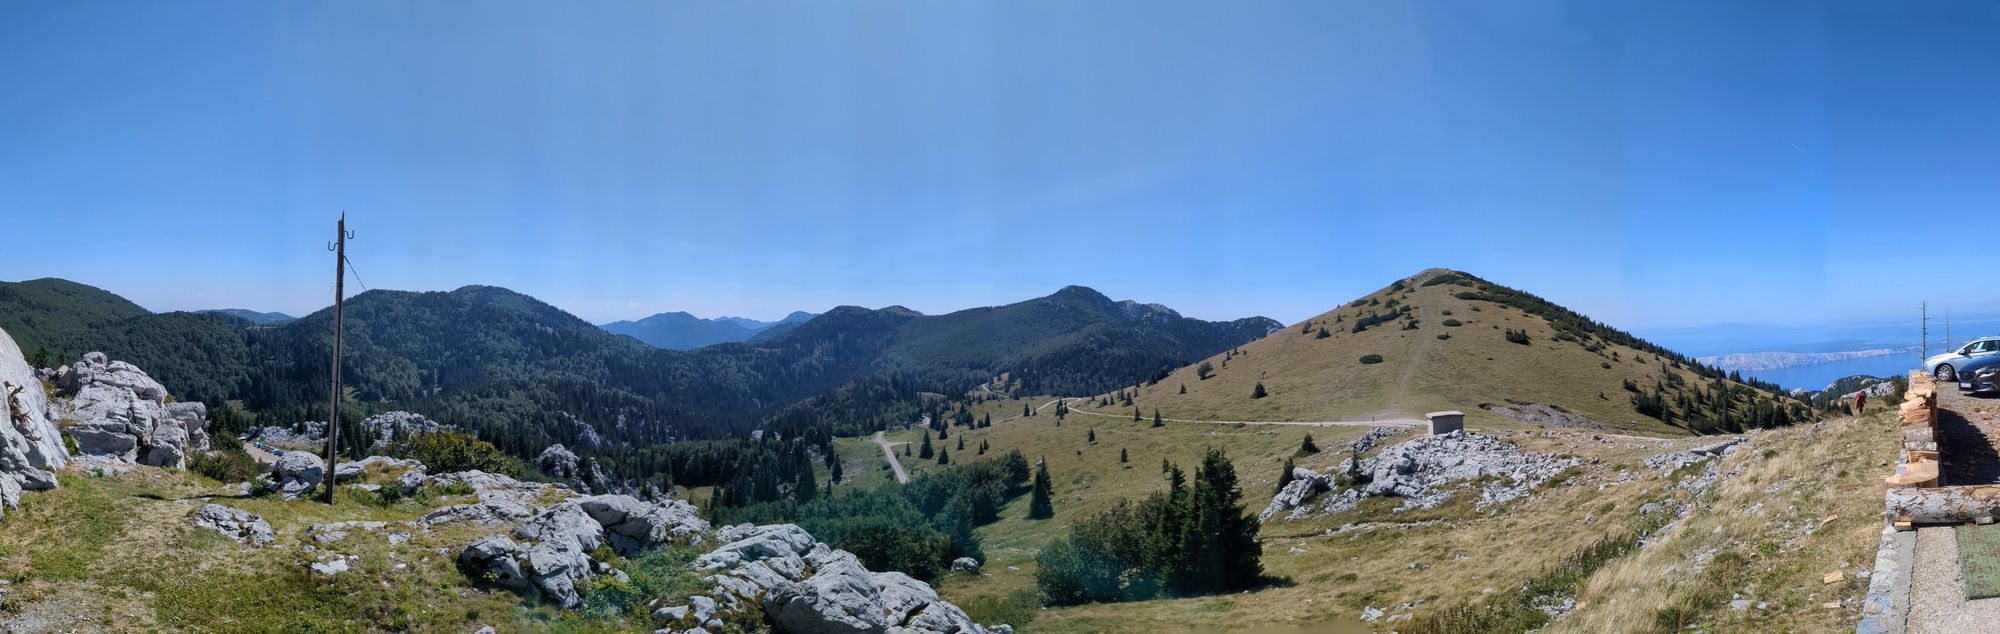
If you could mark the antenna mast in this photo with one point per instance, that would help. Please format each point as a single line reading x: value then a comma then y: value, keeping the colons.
x: 339, y: 249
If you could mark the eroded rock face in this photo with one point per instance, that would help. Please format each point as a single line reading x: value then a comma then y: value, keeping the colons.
x: 1305, y: 484
x: 583, y: 474
x: 235, y: 524
x: 31, y: 447
x: 632, y: 525
x: 116, y: 411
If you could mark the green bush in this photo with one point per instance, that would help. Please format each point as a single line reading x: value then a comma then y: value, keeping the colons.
x: 450, y: 452
x: 1372, y: 359
x: 1451, y: 323
x: 224, y: 465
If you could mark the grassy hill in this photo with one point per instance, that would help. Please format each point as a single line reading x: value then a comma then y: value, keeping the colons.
x: 1444, y: 340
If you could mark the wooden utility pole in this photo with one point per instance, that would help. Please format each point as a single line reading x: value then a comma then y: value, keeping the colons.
x: 339, y: 249
x: 1924, y: 339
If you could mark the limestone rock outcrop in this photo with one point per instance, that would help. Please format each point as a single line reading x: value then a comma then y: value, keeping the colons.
x: 386, y: 427
x: 31, y: 448
x: 297, y: 472
x: 114, y: 410
x: 236, y: 524
x: 802, y: 585
x: 1305, y: 484
x: 632, y: 525
x: 583, y: 474
x: 501, y: 499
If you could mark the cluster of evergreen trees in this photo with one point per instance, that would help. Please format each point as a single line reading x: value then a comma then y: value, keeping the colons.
x: 1193, y: 539
x: 917, y: 528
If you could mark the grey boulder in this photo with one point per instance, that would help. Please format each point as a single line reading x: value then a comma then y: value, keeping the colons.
x: 236, y: 524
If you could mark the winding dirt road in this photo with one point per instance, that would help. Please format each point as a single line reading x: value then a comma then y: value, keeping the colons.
x: 889, y: 453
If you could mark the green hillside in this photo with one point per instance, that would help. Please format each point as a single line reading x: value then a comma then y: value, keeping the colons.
x: 49, y: 311
x: 1445, y: 340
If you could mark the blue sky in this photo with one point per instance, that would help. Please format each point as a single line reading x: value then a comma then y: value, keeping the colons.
x: 1651, y: 164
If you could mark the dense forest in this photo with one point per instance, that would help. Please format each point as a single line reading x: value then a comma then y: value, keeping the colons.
x: 523, y: 374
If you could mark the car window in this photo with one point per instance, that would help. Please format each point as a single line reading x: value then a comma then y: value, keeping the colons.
x: 1983, y: 346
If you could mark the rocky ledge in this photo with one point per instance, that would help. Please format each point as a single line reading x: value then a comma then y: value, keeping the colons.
x: 1421, y: 471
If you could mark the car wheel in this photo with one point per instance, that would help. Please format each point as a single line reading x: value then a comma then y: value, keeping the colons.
x: 1945, y: 373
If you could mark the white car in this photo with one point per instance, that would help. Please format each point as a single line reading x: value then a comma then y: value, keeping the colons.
x: 1974, y: 355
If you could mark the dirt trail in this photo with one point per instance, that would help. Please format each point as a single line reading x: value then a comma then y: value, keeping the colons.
x: 902, y: 477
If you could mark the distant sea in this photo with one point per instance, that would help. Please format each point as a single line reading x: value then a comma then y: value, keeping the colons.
x: 1817, y: 375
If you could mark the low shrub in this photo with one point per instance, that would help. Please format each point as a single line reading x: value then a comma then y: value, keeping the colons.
x: 1372, y: 359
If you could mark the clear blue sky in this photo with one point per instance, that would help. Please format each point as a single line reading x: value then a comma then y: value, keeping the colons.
x: 1652, y: 164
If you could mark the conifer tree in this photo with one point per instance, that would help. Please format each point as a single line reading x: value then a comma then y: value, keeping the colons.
x: 1135, y: 415
x: 982, y: 447
x: 1285, y: 477
x: 944, y: 431
x: 1123, y: 457
x: 1259, y: 392
x: 1306, y: 446
x: 838, y: 471
x: 944, y: 456
x: 1040, y: 507
x: 1157, y: 421
x: 927, y: 452
x: 1183, y: 388
x: 1091, y: 437
x: 961, y: 442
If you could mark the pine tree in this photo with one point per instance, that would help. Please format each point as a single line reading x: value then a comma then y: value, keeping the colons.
x: 1157, y: 421
x: 944, y: 457
x: 1259, y: 392
x: 1135, y: 415
x: 1040, y: 507
x: 806, y: 487
x: 927, y: 452
x: 1306, y: 446
x: 944, y: 431
x: 988, y: 421
x: 961, y: 442
x: 839, y: 471
x: 1123, y: 457
x: 1203, y: 371
x: 1027, y: 411
x: 906, y: 449
x: 982, y: 447
x: 1285, y: 477
x: 1183, y: 388
x: 1091, y: 437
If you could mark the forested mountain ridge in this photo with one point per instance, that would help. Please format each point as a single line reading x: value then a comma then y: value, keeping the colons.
x: 526, y: 374
x: 46, y: 311
x: 254, y: 317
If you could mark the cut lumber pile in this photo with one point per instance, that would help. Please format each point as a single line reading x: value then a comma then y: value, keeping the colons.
x: 1919, y: 434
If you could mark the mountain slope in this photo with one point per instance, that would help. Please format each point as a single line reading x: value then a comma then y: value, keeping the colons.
x: 682, y: 331
x: 527, y: 374
x: 47, y: 311
x: 1444, y: 341
x: 254, y: 317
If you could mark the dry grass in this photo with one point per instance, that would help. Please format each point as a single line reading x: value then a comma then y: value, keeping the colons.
x: 1766, y: 528
x: 1314, y: 379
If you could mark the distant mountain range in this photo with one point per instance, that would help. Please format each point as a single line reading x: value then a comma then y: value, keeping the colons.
x: 682, y: 331
x: 254, y: 317
x: 525, y: 374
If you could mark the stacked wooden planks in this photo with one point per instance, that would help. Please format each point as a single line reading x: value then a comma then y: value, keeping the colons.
x: 1919, y: 434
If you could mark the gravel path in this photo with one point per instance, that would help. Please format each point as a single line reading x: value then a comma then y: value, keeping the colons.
x: 902, y: 477
x: 1937, y: 595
